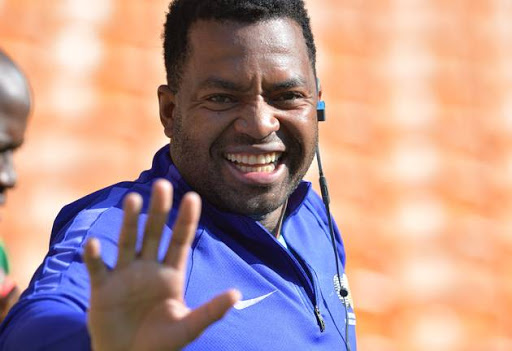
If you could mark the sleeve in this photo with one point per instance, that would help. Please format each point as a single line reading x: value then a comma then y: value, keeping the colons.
x: 52, y: 312
x: 45, y: 324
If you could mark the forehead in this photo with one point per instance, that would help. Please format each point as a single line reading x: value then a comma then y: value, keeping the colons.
x: 235, y: 46
x: 12, y: 128
x: 14, y: 104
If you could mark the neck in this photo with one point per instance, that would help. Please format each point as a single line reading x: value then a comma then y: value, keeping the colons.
x: 274, y: 220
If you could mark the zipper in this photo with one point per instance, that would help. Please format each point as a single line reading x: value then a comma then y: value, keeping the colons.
x: 309, y: 282
x: 319, y: 319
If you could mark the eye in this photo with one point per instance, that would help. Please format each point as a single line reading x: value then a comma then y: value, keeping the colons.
x: 220, y: 99
x: 287, y: 99
x: 220, y: 102
x: 288, y: 96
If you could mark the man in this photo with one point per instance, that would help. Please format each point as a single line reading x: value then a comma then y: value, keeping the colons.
x: 222, y: 207
x: 14, y: 111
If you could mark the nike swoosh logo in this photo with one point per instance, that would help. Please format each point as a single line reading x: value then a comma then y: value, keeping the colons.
x: 242, y: 304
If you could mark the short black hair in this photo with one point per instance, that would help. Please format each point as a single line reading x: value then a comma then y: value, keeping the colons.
x: 183, y: 13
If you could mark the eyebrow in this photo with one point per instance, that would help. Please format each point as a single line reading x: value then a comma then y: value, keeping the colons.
x: 290, y: 83
x: 216, y: 82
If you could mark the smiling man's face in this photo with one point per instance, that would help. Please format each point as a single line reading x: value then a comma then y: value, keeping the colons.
x: 243, y: 124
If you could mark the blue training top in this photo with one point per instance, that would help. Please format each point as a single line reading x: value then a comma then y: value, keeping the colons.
x: 289, y: 297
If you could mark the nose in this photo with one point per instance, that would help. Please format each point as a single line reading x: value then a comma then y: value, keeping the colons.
x: 7, y: 172
x: 257, y: 120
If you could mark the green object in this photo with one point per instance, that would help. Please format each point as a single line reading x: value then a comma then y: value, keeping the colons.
x: 4, y: 262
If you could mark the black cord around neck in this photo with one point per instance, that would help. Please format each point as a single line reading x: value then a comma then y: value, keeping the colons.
x: 325, y: 197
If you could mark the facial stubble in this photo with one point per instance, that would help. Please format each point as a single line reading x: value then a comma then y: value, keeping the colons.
x: 256, y: 201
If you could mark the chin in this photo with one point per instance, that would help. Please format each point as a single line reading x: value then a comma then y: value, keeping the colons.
x: 255, y: 206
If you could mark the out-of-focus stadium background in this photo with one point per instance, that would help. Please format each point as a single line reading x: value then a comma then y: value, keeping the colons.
x: 417, y: 147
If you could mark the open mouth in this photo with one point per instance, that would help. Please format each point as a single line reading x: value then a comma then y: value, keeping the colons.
x: 262, y: 163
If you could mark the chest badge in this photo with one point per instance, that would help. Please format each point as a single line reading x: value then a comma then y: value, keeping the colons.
x: 347, y: 299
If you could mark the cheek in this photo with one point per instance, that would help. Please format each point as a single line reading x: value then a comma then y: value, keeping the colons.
x: 309, y: 131
x: 200, y: 132
x: 212, y: 127
x: 304, y: 129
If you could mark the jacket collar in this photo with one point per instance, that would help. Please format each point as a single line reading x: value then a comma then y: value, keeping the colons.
x: 163, y: 167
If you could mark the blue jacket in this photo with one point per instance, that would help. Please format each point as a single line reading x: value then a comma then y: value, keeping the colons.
x: 297, y: 306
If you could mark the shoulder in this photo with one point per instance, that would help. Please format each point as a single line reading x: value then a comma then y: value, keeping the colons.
x: 112, y: 196
x: 314, y: 203
x: 100, y: 208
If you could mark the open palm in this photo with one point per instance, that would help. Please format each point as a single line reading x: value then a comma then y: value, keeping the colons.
x: 139, y: 304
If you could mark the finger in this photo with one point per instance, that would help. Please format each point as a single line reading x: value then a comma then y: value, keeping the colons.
x: 184, y: 231
x: 128, y: 238
x: 95, y: 266
x: 161, y: 199
x: 202, y: 317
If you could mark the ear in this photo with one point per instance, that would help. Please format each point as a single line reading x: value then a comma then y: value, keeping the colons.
x: 319, y: 89
x: 167, y: 104
x: 320, y: 105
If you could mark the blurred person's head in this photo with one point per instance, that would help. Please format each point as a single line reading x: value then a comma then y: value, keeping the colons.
x: 15, y: 105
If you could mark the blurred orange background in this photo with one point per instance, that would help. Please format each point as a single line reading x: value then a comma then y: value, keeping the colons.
x: 417, y: 147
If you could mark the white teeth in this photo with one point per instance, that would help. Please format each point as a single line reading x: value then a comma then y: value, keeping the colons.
x: 260, y: 160
x: 254, y: 163
x: 248, y: 169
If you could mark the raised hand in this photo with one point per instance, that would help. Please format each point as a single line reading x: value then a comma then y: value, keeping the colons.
x: 139, y: 304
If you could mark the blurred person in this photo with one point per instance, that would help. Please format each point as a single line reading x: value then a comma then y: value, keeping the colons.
x: 149, y: 264
x: 14, y: 111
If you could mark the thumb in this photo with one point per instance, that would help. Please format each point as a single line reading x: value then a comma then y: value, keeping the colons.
x: 202, y: 317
